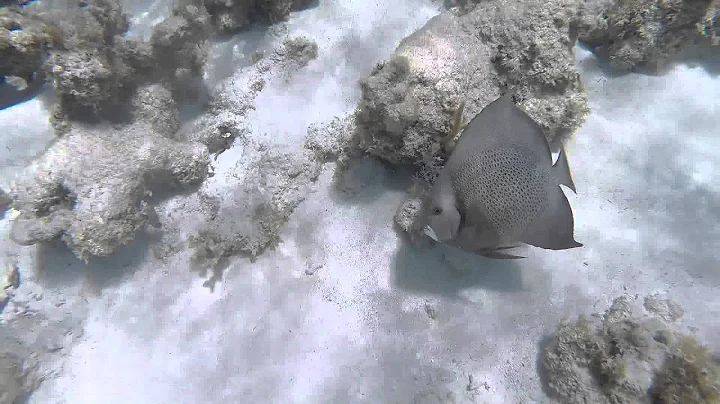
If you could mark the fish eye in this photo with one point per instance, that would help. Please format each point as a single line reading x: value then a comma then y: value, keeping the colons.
x: 436, y: 211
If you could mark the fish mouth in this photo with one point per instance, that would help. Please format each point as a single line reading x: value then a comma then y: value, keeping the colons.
x: 430, y: 233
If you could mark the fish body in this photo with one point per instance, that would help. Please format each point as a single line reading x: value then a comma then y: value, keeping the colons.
x: 499, y: 187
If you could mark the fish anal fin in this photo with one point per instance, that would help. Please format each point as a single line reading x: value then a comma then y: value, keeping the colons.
x: 561, y: 168
x: 554, y: 228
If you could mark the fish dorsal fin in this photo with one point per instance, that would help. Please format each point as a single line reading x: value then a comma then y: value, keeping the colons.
x: 509, y: 90
x: 529, y: 133
x: 508, y: 94
x: 561, y: 170
x: 457, y: 119
x: 502, y: 124
x: 455, y: 125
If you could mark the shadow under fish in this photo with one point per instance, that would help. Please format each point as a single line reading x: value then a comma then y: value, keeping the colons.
x: 500, y: 188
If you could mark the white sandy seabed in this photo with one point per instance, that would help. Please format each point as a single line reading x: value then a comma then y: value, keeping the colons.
x: 382, y: 320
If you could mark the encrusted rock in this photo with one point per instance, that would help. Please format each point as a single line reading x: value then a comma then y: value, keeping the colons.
x: 689, y: 375
x: 299, y: 50
x: 461, y: 6
x: 232, y: 99
x: 9, y: 280
x: 12, y: 384
x: 407, y: 102
x: 628, y: 356
x: 611, y: 361
x: 232, y: 15
x: 249, y: 220
x: 89, y: 24
x: 96, y: 71
x: 5, y: 202
x: 645, y: 34
x: 179, y: 46
x: 88, y: 187
x: 665, y: 308
x: 229, y: 16
x: 709, y: 27
x: 32, y: 343
x: 154, y: 104
x: 407, y: 214
x: 270, y: 180
x: 134, y: 61
x: 87, y: 79
x: 331, y: 141
x: 25, y: 41
x: 83, y: 80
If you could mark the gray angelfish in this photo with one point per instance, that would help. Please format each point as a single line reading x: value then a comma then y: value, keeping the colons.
x: 499, y: 187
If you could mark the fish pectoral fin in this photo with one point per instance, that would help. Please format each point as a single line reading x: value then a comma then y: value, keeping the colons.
x: 561, y: 168
x: 553, y: 229
x: 507, y: 247
x: 496, y: 254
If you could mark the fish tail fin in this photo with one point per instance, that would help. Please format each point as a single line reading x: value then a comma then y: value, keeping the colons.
x: 554, y: 229
x: 562, y: 170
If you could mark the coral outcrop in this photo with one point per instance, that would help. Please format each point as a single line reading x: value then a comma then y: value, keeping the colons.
x: 629, y: 355
x: 81, y: 190
x: 644, y: 35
